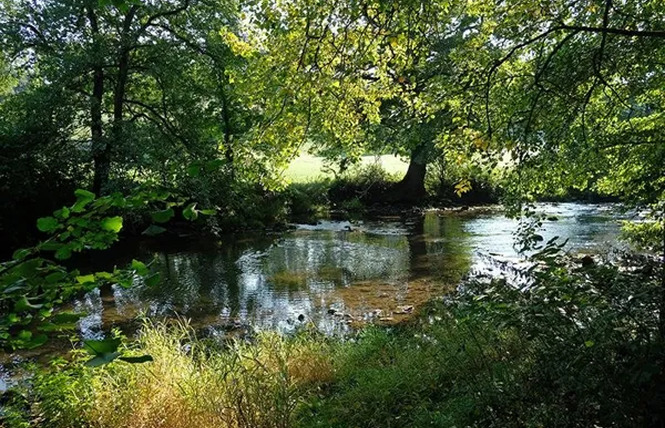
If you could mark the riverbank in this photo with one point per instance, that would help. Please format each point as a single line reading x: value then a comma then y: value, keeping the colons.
x: 580, y: 348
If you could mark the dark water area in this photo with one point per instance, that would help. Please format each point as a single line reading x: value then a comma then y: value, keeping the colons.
x: 333, y: 275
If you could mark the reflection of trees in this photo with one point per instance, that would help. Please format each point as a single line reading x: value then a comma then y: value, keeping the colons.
x: 326, y: 256
x: 439, y: 247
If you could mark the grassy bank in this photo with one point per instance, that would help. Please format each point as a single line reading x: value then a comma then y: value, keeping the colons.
x: 580, y: 348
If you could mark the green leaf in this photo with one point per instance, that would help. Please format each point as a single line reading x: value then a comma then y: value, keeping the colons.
x: 163, y: 216
x: 137, y: 360
x: 208, y: 212
x: 102, y: 359
x: 24, y: 335
x: 589, y: 343
x: 63, y: 253
x: 47, y: 224
x: 21, y: 253
x: 23, y: 304
x: 54, y: 277
x: 83, y: 198
x: 194, y: 170
x: 84, y: 195
x: 140, y: 267
x: 84, y: 279
x: 62, y: 213
x: 101, y: 347
x: 152, y: 280
x: 190, y: 212
x: 103, y: 275
x: 28, y: 268
x: 153, y: 230
x: 112, y: 224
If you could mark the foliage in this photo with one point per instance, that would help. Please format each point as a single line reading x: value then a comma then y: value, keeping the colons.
x: 452, y: 181
x: 362, y: 185
x: 573, y: 94
x: 34, y: 283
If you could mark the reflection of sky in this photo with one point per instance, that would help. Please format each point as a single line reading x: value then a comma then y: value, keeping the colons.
x: 239, y: 285
x: 585, y: 226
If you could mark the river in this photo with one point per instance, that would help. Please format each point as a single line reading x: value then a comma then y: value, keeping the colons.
x: 334, y: 275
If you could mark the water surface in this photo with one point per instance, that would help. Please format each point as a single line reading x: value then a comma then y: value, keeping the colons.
x: 335, y: 275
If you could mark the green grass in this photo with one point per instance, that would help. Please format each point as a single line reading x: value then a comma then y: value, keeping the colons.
x: 307, y: 167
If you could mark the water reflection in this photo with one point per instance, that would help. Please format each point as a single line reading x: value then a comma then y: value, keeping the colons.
x: 334, y: 274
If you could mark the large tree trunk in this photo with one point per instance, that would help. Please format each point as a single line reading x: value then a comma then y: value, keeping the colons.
x: 411, y: 189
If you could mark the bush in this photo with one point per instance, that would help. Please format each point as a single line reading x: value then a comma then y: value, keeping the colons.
x: 364, y: 185
x: 581, y: 347
x: 457, y: 185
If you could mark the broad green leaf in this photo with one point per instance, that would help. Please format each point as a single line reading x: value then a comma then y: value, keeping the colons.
x: 83, y: 279
x: 23, y: 304
x: 152, y: 280
x: 112, y: 224
x: 190, y: 212
x: 83, y: 198
x: 62, y: 213
x: 102, y: 359
x: 47, y: 224
x: 84, y: 195
x: 100, y: 347
x: 139, y: 267
x: 63, y: 253
x: 163, y: 216
x: 54, y: 277
x: 194, y: 170
x: 21, y: 253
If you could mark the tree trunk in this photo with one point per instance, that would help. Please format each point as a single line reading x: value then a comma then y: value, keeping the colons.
x: 411, y: 189
x: 228, y: 131
x: 121, y: 85
x: 100, y: 150
x: 100, y: 157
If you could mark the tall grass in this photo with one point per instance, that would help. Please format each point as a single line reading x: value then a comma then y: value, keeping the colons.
x: 191, y: 383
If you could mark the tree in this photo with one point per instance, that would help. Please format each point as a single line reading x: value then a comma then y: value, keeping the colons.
x: 574, y: 93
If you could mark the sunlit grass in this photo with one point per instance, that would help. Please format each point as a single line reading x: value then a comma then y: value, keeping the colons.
x: 309, y: 168
x: 194, y: 383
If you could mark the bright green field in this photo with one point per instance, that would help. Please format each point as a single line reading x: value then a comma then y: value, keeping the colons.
x: 308, y: 168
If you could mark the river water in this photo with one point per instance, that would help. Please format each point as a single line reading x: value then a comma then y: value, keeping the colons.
x: 335, y: 276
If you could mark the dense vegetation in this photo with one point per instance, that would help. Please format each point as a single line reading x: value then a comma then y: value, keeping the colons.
x: 141, y: 117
